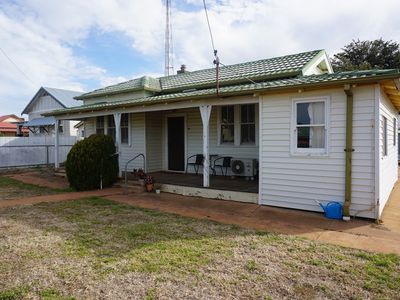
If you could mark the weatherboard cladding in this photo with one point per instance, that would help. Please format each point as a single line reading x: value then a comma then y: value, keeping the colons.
x: 272, y: 67
x: 294, y: 82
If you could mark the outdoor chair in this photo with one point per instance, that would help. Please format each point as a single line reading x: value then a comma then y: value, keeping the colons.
x: 222, y: 162
x: 197, y: 163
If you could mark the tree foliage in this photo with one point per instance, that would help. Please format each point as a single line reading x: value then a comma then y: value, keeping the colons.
x: 92, y: 161
x: 364, y: 55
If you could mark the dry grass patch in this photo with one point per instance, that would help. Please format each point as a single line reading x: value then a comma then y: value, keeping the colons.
x: 96, y: 248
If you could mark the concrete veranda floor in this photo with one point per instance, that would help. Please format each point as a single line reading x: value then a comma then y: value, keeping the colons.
x: 358, y: 233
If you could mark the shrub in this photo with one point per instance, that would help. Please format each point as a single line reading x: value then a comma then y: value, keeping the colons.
x: 90, y: 161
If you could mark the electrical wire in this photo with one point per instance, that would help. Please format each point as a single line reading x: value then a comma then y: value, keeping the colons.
x: 209, y: 27
x: 16, y: 66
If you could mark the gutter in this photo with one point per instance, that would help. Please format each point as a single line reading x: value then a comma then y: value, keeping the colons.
x: 349, y: 152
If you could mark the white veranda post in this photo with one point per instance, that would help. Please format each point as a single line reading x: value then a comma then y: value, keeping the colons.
x: 205, y: 111
x: 56, y: 144
x: 117, y: 121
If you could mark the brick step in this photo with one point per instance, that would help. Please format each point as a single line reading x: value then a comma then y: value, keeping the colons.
x: 133, y: 186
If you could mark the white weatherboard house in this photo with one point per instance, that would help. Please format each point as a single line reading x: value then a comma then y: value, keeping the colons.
x: 301, y: 131
x: 47, y: 99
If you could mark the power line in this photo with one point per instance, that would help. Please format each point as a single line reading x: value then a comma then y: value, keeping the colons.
x: 16, y: 66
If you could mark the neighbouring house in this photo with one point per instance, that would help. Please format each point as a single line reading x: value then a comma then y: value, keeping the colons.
x: 9, y: 126
x: 47, y: 99
x: 301, y: 131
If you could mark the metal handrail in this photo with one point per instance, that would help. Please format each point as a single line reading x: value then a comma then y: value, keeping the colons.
x: 129, y: 161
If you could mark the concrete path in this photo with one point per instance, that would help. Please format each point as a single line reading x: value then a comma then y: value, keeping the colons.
x: 359, y: 234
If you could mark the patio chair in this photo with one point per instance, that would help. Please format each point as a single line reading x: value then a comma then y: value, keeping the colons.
x: 197, y: 163
x: 222, y: 162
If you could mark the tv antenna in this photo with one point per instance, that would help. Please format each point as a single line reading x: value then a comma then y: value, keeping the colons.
x: 169, y: 49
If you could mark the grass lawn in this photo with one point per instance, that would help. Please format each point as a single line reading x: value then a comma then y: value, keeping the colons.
x: 14, y: 189
x: 95, y: 248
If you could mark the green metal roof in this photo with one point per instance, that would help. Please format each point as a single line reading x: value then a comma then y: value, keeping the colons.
x: 276, y: 67
x: 138, y: 84
x: 240, y: 89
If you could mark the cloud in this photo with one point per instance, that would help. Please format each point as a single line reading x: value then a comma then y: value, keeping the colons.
x: 41, y: 35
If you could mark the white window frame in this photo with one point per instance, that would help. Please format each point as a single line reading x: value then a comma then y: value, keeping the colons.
x: 129, y: 130
x: 104, y: 124
x: 293, y: 128
x: 385, y: 137
x: 255, y: 125
x: 395, y: 131
x: 237, y: 126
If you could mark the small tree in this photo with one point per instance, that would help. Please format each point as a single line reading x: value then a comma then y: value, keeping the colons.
x: 92, y: 162
x: 363, y: 55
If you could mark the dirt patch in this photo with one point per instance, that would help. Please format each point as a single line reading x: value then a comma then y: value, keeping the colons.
x: 98, y: 249
x: 43, y: 177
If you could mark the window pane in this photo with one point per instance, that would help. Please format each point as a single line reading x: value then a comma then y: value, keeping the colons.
x: 311, y: 113
x: 111, y: 121
x: 248, y: 134
x: 227, y: 133
x: 124, y: 135
x: 124, y: 120
x: 303, y: 137
x: 311, y: 137
x: 111, y: 132
x: 244, y: 113
x: 100, y: 122
x: 227, y: 114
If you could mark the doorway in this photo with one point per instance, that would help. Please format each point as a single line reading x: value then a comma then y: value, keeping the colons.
x: 176, y: 143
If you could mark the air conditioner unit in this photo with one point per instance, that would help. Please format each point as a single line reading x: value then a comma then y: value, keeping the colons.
x: 247, y: 167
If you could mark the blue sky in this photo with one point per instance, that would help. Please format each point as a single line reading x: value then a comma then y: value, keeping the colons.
x: 84, y: 45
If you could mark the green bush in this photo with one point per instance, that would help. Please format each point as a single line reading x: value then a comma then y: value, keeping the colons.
x: 91, y: 160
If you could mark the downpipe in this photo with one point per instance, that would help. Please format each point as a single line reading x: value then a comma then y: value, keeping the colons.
x: 349, y: 152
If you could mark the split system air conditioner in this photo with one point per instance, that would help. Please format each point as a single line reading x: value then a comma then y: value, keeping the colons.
x: 247, y: 167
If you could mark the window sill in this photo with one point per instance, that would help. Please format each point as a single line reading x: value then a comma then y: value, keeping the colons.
x: 315, y: 155
x: 237, y: 146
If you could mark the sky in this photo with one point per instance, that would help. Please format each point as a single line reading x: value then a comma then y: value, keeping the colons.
x: 85, y: 45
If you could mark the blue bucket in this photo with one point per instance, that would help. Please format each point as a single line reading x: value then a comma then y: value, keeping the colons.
x: 333, y: 210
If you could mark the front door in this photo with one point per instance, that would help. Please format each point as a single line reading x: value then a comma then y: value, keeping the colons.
x: 176, y: 143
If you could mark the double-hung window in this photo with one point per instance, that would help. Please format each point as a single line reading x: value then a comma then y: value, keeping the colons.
x: 248, y: 124
x: 111, y: 126
x: 124, y: 128
x: 100, y: 125
x: 227, y: 125
x: 310, y: 126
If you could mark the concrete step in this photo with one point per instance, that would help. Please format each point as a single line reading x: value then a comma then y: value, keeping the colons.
x: 60, y: 172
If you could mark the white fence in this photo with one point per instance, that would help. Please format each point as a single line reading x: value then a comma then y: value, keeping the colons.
x: 31, y: 151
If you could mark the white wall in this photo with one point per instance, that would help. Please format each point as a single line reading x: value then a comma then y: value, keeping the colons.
x: 154, y: 141
x: 388, y: 165
x: 137, y: 140
x: 43, y: 104
x: 297, y: 181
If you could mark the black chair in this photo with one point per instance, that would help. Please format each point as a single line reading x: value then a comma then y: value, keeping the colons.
x: 197, y: 163
x: 222, y: 162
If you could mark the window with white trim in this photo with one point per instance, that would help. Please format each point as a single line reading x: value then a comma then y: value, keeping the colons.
x: 100, y: 125
x: 124, y: 128
x: 310, y: 126
x: 111, y: 126
x: 248, y: 124
x: 227, y: 126
x: 394, y: 131
x: 385, y: 137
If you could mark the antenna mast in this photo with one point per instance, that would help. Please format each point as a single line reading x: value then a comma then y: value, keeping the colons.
x: 169, y: 49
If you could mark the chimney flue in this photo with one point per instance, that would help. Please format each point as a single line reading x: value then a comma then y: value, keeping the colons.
x: 182, y: 70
